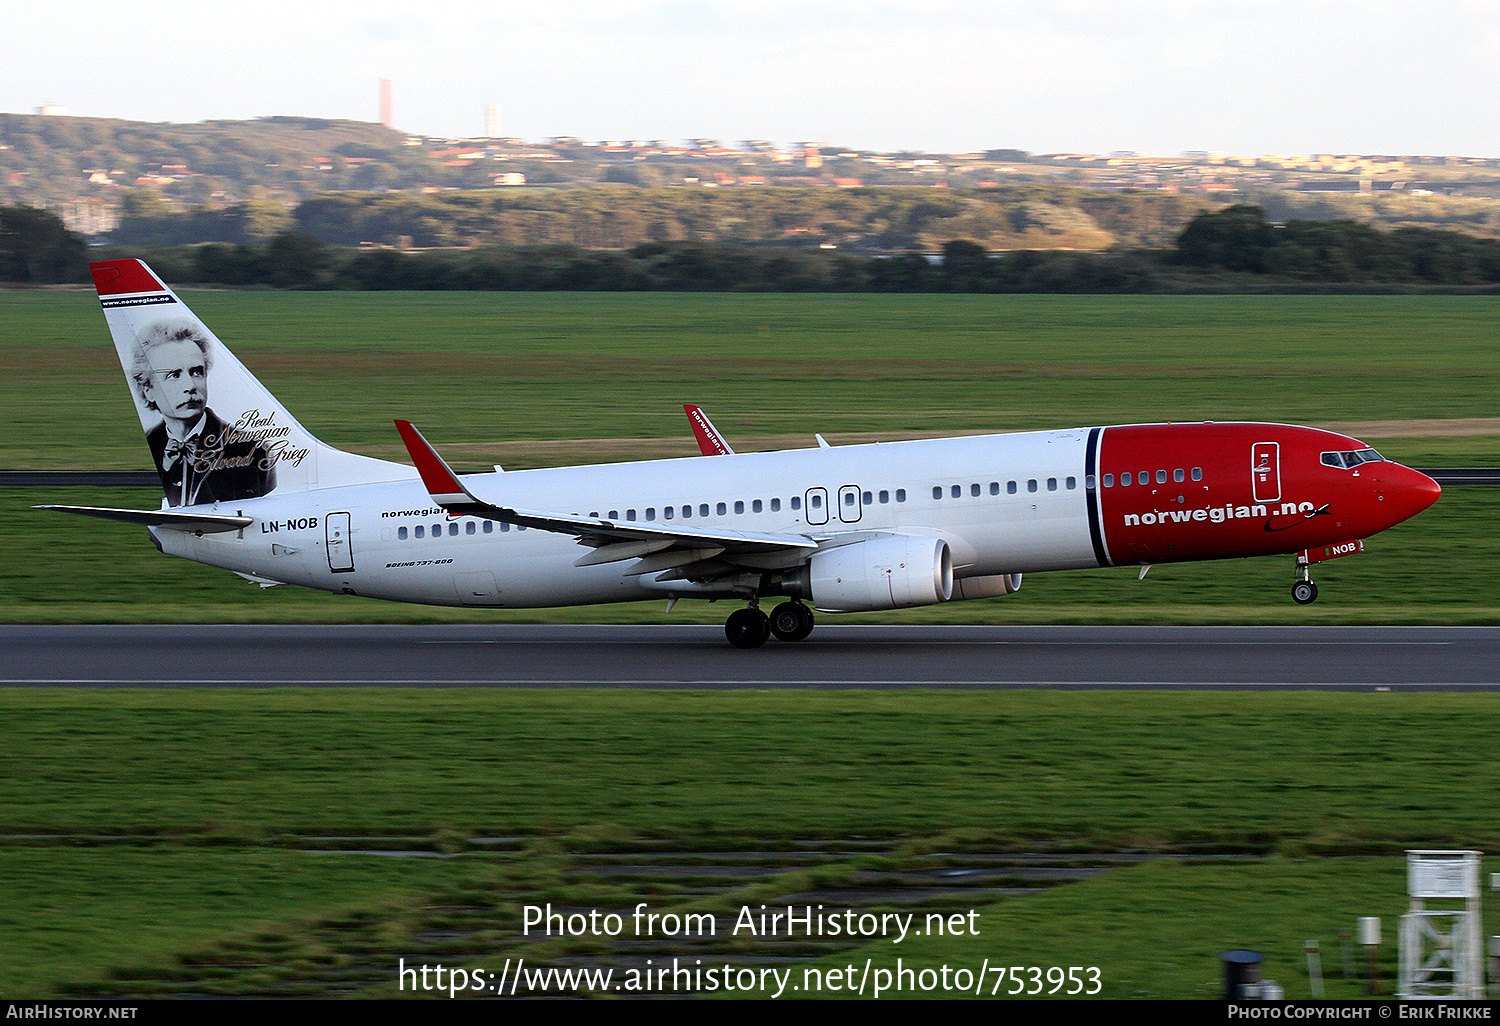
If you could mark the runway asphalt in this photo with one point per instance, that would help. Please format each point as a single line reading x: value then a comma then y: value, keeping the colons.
x: 836, y: 656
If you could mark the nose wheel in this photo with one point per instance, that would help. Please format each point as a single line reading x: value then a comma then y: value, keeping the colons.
x: 747, y: 628
x: 1304, y: 592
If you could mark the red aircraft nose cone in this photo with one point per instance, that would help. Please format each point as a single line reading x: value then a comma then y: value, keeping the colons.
x: 1406, y: 492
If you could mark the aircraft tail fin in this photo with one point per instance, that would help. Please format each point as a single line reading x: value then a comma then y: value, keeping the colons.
x: 216, y: 433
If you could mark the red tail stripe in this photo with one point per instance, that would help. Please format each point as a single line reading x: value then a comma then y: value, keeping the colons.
x: 121, y: 277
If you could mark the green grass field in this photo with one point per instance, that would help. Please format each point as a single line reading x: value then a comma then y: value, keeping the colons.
x: 486, y: 373
x: 210, y: 794
x: 192, y: 805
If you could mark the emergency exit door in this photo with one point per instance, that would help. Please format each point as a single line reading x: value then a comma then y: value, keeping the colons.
x: 340, y: 551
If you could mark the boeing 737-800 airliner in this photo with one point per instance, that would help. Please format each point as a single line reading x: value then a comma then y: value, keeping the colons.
x: 832, y: 528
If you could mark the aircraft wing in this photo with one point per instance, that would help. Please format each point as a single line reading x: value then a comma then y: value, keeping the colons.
x: 657, y: 547
x: 204, y: 523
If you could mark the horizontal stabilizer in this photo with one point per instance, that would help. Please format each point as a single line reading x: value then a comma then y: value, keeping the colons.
x: 203, y: 523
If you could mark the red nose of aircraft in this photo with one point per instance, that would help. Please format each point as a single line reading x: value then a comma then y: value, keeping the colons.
x: 1403, y: 492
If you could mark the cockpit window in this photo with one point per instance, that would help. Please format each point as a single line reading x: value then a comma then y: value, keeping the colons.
x: 1350, y: 460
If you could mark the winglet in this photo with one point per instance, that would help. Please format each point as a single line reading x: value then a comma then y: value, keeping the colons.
x: 710, y: 442
x: 442, y: 484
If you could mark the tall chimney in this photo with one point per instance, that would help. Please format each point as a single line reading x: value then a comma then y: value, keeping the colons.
x: 387, y: 109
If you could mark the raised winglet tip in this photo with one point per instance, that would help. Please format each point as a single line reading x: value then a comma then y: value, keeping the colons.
x: 441, y: 483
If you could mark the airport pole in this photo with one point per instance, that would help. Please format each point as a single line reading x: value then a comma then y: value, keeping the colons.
x: 1314, y: 968
x: 1369, y: 936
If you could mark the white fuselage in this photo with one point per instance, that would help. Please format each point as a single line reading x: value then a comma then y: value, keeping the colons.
x: 1008, y: 504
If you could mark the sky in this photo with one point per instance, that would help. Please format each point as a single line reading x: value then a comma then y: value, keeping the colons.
x: 950, y: 76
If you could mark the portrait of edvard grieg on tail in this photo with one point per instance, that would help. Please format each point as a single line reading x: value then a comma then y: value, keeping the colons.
x: 197, y: 454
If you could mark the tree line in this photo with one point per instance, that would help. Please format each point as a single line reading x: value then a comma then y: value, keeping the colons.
x: 1228, y: 250
x: 1241, y: 239
x: 883, y: 219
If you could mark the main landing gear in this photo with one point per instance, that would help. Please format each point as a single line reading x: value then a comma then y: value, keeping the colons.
x: 749, y: 627
x: 791, y: 621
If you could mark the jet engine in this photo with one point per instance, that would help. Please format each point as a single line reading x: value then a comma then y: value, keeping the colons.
x: 986, y: 587
x: 882, y: 573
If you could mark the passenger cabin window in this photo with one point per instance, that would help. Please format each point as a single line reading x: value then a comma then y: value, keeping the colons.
x: 796, y: 502
x: 868, y: 498
x: 703, y: 509
x: 1051, y: 484
x: 974, y: 489
x: 630, y: 514
x: 885, y: 497
x: 1178, y: 475
x: 1010, y: 488
x: 401, y: 533
x: 1109, y: 480
x: 994, y: 487
x: 721, y: 509
x: 900, y: 494
x: 1197, y: 473
x: 739, y: 507
x: 1161, y: 477
x: 489, y: 527
x: 1031, y: 485
x: 650, y: 512
x: 755, y: 506
x: 1072, y: 483
x: 937, y: 491
x: 469, y: 527
x: 666, y: 513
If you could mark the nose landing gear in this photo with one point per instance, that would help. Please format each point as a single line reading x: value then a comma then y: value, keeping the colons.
x: 1304, y: 592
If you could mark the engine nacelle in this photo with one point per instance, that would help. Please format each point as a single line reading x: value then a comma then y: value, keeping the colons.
x: 986, y: 587
x: 882, y: 573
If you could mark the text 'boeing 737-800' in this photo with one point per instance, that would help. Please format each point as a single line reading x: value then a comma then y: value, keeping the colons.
x: 832, y: 528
